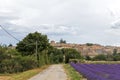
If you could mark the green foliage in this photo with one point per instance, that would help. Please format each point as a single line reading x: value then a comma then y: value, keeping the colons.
x: 100, y: 57
x: 71, y: 54
x: 43, y: 58
x: 114, y: 52
x: 62, y: 41
x: 89, y: 44
x: 3, y: 53
x: 116, y: 57
x: 10, y: 45
x: 88, y: 57
x: 17, y: 64
x: 55, y: 55
x: 108, y: 57
x: 28, y: 45
x: 12, y: 62
x: 24, y: 58
x: 26, y: 63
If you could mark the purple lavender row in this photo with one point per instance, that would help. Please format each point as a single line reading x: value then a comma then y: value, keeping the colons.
x: 109, y: 69
x: 99, y: 71
x: 88, y: 74
x: 116, y: 77
x: 104, y: 73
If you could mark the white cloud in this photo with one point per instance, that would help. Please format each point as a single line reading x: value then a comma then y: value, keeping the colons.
x: 113, y: 32
x: 84, y: 20
x: 50, y: 29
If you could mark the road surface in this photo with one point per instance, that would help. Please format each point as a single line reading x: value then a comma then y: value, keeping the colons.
x: 54, y: 72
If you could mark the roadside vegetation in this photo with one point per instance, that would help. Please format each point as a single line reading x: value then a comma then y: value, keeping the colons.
x: 33, y: 52
x: 28, y: 74
x: 72, y: 74
x: 23, y: 75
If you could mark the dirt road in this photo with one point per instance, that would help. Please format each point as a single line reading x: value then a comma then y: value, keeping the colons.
x: 54, y: 72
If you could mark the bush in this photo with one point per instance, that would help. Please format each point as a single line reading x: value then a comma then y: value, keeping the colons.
x: 88, y: 57
x: 6, y: 66
x: 28, y: 63
x: 17, y: 64
x: 100, y: 57
x: 89, y: 44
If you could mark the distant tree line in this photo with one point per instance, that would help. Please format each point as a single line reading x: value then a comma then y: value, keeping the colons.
x: 102, y: 57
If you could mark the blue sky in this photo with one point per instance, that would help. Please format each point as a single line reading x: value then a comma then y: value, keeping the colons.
x: 76, y: 21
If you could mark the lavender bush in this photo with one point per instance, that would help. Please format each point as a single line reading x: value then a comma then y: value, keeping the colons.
x: 98, y: 71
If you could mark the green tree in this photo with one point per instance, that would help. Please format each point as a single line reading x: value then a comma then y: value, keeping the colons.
x: 62, y: 41
x: 89, y: 44
x: 10, y: 45
x: 87, y: 57
x: 114, y: 52
x: 109, y: 57
x: 116, y: 57
x: 55, y: 55
x: 100, y: 57
x: 71, y: 54
x: 28, y: 45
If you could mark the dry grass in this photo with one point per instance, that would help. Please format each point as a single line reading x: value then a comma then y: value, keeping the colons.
x: 103, y: 62
x: 24, y: 75
x: 5, y: 77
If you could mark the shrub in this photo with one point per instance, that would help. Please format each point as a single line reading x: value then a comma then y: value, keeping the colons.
x: 28, y: 63
x: 17, y: 64
x: 100, y: 57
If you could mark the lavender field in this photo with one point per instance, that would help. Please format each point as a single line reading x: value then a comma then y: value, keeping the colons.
x: 98, y: 71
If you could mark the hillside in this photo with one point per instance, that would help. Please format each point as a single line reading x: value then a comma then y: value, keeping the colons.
x: 85, y: 49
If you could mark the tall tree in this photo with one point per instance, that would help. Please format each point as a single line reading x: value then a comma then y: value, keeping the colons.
x: 10, y: 45
x: 71, y: 54
x: 114, y: 52
x: 62, y: 41
x: 28, y: 45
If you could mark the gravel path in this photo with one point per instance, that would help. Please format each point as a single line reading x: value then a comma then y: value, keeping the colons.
x: 54, y: 72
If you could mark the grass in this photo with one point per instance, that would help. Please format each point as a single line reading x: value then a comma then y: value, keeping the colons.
x: 22, y: 76
x: 72, y: 74
x: 102, y: 62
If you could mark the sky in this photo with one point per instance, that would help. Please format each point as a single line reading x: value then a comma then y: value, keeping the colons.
x: 76, y: 21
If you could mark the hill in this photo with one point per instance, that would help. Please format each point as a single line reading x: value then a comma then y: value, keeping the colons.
x: 86, y: 49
